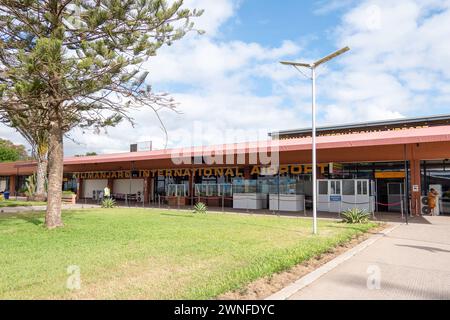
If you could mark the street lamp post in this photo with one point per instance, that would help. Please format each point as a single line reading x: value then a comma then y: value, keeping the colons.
x: 313, y: 67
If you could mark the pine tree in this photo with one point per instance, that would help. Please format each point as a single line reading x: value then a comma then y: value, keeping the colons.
x: 77, y: 63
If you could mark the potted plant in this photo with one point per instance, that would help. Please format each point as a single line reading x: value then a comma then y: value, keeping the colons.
x: 69, y: 197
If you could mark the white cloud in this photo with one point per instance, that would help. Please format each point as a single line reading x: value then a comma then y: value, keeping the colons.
x: 328, y: 6
x: 199, y: 60
x: 399, y: 65
x: 216, y: 13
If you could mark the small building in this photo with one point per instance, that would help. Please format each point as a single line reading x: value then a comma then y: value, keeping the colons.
x: 399, y: 161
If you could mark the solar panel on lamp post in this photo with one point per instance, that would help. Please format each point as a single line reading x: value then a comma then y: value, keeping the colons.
x: 312, y: 67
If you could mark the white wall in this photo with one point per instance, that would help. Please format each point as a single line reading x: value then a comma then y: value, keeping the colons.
x: 91, y: 185
x: 123, y: 186
x: 3, y: 185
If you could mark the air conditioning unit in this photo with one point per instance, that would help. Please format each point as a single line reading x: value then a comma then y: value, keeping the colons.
x: 424, y: 206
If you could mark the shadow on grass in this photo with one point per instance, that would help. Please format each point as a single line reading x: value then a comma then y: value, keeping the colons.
x: 178, y: 215
x: 31, y: 219
x: 348, y: 226
x: 251, y: 224
x: 34, y: 217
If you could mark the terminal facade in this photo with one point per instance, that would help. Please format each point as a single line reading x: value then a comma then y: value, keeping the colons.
x: 386, y: 166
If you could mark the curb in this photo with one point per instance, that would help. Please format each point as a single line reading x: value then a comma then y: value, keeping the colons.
x: 306, y: 280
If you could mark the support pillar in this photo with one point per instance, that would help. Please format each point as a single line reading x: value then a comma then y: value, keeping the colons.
x: 147, y: 188
x: 111, y: 185
x: 79, y: 188
x: 413, y: 155
x: 416, y: 187
x: 247, y: 175
x: 191, y: 188
x: 12, y: 185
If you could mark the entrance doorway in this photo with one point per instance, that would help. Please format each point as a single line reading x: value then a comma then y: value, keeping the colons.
x: 390, y: 192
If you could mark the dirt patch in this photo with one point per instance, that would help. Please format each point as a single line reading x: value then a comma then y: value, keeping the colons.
x: 269, y: 285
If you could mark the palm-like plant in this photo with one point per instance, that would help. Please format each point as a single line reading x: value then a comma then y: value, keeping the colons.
x: 30, y: 186
x: 108, y: 203
x: 200, y: 207
x: 355, y: 215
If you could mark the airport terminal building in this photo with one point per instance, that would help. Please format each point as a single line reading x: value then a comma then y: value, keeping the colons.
x: 386, y: 166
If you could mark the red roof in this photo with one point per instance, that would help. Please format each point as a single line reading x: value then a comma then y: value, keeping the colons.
x: 395, y: 137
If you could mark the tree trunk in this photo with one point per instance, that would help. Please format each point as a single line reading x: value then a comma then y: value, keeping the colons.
x: 41, y: 176
x: 55, y: 177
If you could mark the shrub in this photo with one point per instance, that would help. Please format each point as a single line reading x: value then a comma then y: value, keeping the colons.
x: 108, y: 203
x: 67, y: 193
x: 30, y: 186
x: 355, y: 215
x: 200, y: 207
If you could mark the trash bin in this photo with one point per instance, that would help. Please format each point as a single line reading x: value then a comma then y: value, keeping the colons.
x: 6, y: 195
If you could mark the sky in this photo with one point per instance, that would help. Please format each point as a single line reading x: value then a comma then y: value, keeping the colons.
x: 230, y: 87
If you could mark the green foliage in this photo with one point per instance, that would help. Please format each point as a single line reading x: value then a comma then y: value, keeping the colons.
x: 78, y: 63
x: 108, y: 203
x: 30, y: 185
x: 10, y: 152
x: 200, y: 207
x: 18, y: 203
x: 68, y: 193
x: 90, y: 52
x: 355, y: 215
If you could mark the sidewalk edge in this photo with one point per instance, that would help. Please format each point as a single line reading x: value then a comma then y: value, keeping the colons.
x: 306, y: 280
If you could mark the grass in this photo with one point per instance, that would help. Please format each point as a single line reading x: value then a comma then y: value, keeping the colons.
x: 154, y: 254
x: 20, y: 203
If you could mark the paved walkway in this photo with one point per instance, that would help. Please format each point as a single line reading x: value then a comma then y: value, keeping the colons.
x: 413, y: 262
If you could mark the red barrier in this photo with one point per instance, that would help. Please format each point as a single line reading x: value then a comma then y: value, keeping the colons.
x: 389, y: 204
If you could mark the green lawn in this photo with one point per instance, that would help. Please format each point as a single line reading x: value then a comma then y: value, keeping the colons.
x: 153, y: 254
x: 20, y: 203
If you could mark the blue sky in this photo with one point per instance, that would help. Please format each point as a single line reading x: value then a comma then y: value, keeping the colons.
x: 269, y: 22
x: 230, y: 86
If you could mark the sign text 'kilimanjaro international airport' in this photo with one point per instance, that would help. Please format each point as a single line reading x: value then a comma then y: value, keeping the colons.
x: 205, y: 172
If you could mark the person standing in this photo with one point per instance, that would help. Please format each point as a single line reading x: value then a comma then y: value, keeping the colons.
x: 106, y: 193
x: 432, y: 202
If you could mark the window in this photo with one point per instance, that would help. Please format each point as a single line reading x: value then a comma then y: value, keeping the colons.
x: 348, y: 187
x: 361, y: 187
x: 335, y: 187
x: 323, y: 187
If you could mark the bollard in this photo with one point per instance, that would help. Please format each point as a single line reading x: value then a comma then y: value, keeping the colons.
x: 418, y: 209
x: 223, y: 202
x: 304, y: 206
x: 273, y: 207
x: 401, y: 208
x: 246, y: 201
